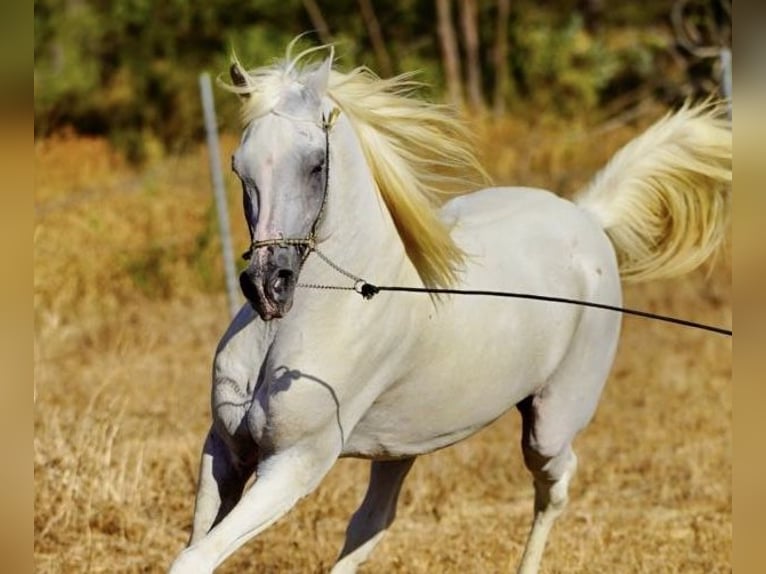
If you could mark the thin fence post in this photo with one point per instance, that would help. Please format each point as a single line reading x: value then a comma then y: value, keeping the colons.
x: 726, y: 76
x: 216, y: 176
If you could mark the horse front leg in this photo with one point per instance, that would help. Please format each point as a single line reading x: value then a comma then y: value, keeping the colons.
x: 222, y: 478
x: 282, y: 479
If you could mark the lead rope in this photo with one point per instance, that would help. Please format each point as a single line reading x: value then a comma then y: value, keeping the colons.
x: 368, y: 290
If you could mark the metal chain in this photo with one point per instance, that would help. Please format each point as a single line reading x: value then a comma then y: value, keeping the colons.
x: 358, y: 282
x: 337, y: 268
x: 326, y: 287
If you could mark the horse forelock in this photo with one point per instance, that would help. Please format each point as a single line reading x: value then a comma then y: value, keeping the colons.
x: 420, y: 154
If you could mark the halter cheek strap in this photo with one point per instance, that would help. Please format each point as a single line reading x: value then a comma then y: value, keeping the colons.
x: 309, y: 242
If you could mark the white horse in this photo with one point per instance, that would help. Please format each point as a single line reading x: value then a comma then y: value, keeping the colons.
x: 346, y: 176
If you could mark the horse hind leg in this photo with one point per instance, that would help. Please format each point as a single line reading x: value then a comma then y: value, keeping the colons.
x: 551, y: 419
x: 552, y: 416
x: 552, y: 463
x: 375, y: 515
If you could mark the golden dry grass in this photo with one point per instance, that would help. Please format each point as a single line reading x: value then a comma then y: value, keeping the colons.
x: 128, y: 309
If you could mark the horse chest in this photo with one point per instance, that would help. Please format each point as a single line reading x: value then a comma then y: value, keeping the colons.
x: 231, y: 402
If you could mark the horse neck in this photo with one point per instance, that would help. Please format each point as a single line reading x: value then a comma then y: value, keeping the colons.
x: 357, y: 232
x: 358, y: 235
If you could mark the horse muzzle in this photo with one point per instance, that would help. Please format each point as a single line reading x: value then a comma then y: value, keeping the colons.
x: 269, y: 281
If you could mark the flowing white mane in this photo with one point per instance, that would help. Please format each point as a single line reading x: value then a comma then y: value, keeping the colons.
x: 420, y: 154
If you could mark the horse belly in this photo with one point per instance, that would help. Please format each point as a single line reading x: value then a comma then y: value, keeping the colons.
x: 457, y: 390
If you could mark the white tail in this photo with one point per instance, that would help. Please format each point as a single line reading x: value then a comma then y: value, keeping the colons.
x: 663, y: 199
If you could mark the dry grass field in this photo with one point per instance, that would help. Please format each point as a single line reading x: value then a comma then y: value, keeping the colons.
x: 129, y: 306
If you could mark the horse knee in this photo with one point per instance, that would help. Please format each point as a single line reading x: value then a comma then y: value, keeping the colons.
x: 546, y: 445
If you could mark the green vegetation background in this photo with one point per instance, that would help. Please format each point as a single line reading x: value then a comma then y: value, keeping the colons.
x: 128, y: 69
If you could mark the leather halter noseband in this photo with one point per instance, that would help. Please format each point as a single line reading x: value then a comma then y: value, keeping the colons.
x: 309, y: 242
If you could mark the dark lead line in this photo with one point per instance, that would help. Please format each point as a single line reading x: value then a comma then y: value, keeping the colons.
x: 368, y: 291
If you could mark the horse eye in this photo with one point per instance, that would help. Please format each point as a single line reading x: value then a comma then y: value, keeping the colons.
x: 317, y: 169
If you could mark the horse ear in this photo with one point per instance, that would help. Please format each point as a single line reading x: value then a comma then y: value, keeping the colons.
x: 239, y: 78
x: 237, y: 75
x: 319, y: 78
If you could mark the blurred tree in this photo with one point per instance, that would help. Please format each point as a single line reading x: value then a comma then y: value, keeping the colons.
x: 128, y: 68
x: 702, y: 30
x: 376, y: 37
x: 500, y: 57
x: 470, y: 27
x: 450, y: 54
x: 592, y: 11
x: 318, y: 21
x: 67, y: 45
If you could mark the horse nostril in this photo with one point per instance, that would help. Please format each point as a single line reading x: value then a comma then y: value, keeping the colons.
x: 281, y: 281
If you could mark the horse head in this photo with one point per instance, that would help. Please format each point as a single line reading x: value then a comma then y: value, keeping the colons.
x: 283, y: 164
